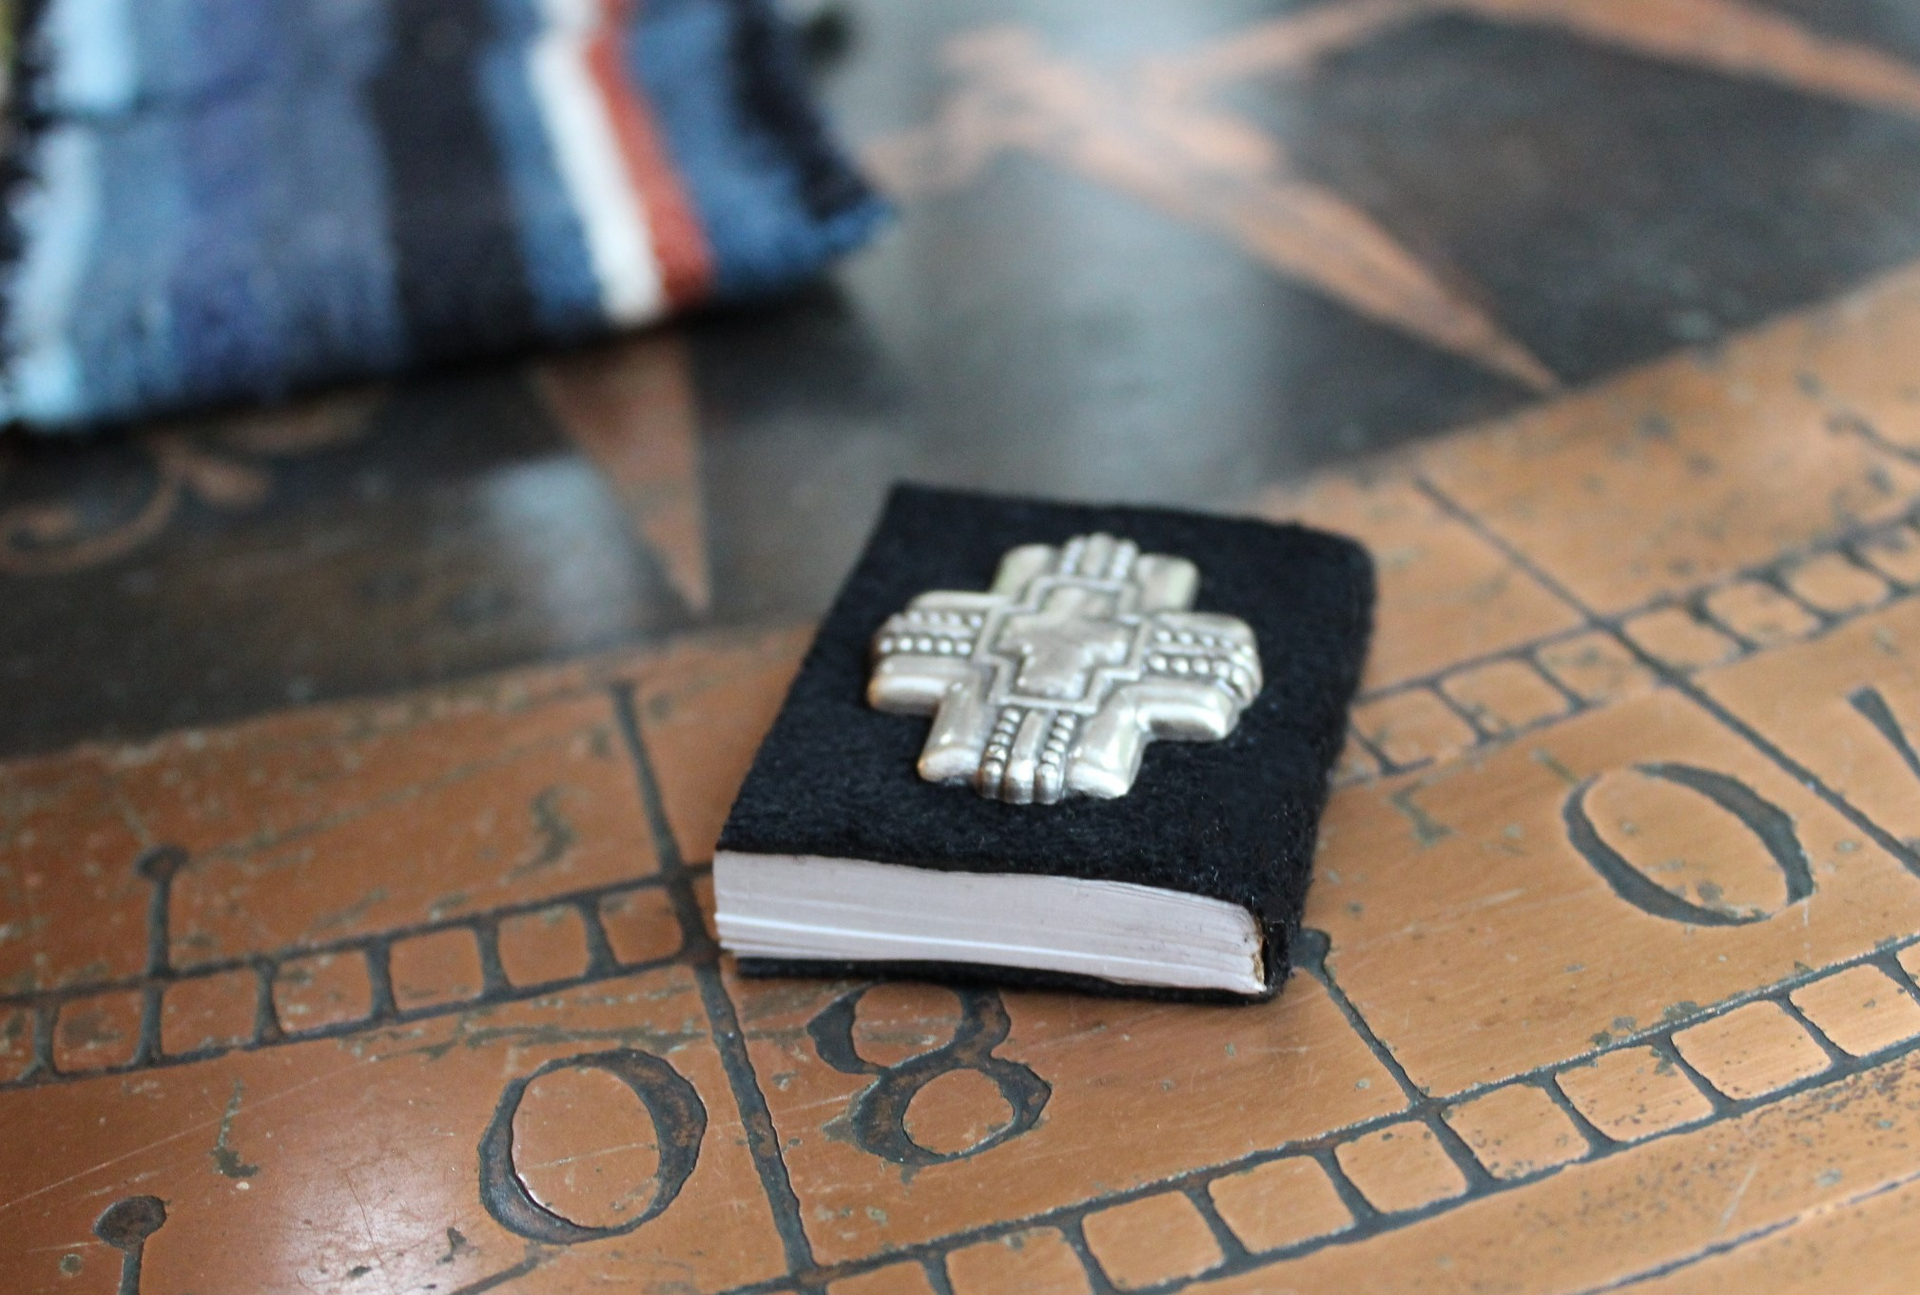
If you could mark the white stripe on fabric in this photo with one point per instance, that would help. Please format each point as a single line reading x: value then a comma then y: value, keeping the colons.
x: 587, y: 152
x: 93, y: 67
x: 59, y: 220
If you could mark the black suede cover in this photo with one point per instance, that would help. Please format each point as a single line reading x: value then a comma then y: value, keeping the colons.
x: 1233, y: 820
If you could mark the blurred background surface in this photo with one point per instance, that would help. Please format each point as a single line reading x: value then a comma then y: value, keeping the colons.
x: 1179, y: 253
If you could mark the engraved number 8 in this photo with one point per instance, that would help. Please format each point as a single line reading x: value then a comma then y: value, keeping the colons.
x: 879, y: 1114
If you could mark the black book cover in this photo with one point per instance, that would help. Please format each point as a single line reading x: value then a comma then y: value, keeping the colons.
x: 1233, y: 820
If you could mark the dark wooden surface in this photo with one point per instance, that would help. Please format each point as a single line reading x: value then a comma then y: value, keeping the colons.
x: 1144, y: 253
x: 363, y: 757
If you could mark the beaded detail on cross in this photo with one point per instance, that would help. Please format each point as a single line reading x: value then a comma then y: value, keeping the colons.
x: 1052, y: 682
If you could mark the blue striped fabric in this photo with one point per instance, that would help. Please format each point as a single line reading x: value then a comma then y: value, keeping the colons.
x: 237, y: 199
x: 552, y: 237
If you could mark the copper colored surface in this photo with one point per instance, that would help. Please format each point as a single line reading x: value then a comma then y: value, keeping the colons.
x: 364, y: 760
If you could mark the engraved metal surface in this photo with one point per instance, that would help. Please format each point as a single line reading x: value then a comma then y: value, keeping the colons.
x: 1609, y: 644
x: 1051, y: 683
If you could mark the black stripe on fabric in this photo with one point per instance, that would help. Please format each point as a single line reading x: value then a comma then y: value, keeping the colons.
x: 774, y: 95
x: 462, y: 282
x: 23, y: 119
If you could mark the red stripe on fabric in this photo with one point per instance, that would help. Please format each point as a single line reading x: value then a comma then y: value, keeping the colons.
x: 679, y: 245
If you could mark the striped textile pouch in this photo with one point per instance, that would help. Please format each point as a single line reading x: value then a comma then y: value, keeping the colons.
x: 232, y: 200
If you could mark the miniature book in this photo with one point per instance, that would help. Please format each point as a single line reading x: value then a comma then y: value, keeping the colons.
x: 1054, y: 743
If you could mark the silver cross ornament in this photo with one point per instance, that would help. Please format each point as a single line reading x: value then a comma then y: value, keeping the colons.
x: 1052, y: 682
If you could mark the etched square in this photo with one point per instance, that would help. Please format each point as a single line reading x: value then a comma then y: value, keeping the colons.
x: 1401, y: 1167
x: 1596, y: 667
x: 1152, y: 1240
x: 1038, y: 1260
x: 214, y: 1011
x: 1633, y: 1093
x: 97, y: 1032
x: 1751, y: 1051
x: 1760, y: 614
x: 1280, y: 1203
x: 1860, y: 1009
x: 640, y: 925
x: 1412, y: 727
x: 1833, y: 584
x: 435, y: 969
x: 1516, y: 1131
x: 320, y: 990
x: 1680, y: 640
x: 543, y: 946
x: 1504, y: 696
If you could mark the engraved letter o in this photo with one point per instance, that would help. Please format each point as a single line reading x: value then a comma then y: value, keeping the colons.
x: 679, y: 1122
x: 1772, y: 825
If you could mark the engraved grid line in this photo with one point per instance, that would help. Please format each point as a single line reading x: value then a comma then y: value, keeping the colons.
x: 1684, y: 685
x: 586, y: 900
x: 1693, y: 602
x: 374, y: 951
x: 1369, y: 1220
x: 376, y: 948
x: 698, y: 949
x: 483, y: 927
x: 1074, y: 1230
x: 1524, y: 654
